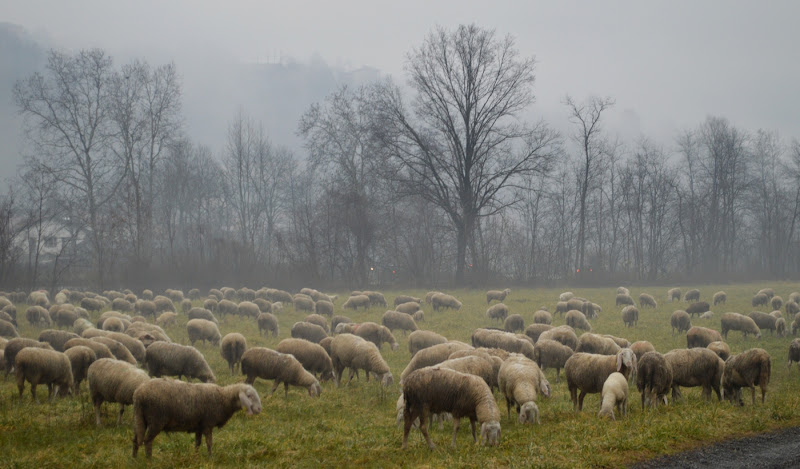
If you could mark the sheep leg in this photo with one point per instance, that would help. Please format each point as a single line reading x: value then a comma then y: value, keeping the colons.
x: 119, y: 417
x: 198, y: 438
x: 423, y: 426
x: 573, y: 395
x: 275, y: 386
x: 456, y: 423
x: 408, y: 421
x: 152, y: 432
x: 474, y: 434
x: 352, y: 372
x: 97, y: 404
x: 286, y: 390
x: 508, y: 407
x: 558, y: 375
x: 763, y: 393
x: 580, y: 400
x: 643, y: 395
x: 753, y: 393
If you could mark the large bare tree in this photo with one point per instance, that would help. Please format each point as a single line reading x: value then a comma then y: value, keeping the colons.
x: 464, y: 143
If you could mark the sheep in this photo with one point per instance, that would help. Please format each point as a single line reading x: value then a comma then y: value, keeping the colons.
x: 419, y: 340
x: 336, y: 320
x: 615, y: 393
x: 647, y: 300
x: 759, y: 299
x: 707, y: 315
x: 443, y: 301
x: 776, y: 302
x: 697, y: 308
x: 245, y: 294
x: 408, y: 308
x: 147, y: 333
x: 324, y: 307
x: 113, y: 324
x: 119, y: 351
x: 210, y: 304
x: 279, y: 295
x: 503, y: 340
x: 100, y: 350
x: 720, y: 348
x: 561, y: 307
x: 251, y: 310
x: 80, y: 358
x: 266, y: 307
x: 497, y: 295
x: 419, y: 316
x: 164, y: 304
x: 640, y: 347
x: 577, y: 320
x: 313, y: 357
x: 764, y: 320
x: 769, y: 292
x: 720, y: 297
x: 542, y: 317
x: 346, y: 328
x: 795, y: 326
x: 794, y: 352
x: 232, y: 348
x: 400, y: 299
x: 37, y: 315
x: 692, y: 296
x: 355, y: 302
x: 630, y: 315
x: 623, y: 291
x: 623, y: 299
x: 80, y: 325
x: 42, y: 366
x: 375, y: 298
x: 225, y: 307
x: 167, y: 405
x: 739, y: 322
x: 520, y: 380
x: 11, y: 311
x: 267, y: 322
x: 680, y: 321
x: 92, y: 304
x: 201, y: 313
x: 113, y: 381
x: 695, y: 367
x: 653, y: 378
x: 308, y: 331
x: 497, y: 311
x: 395, y: 320
x: 121, y: 304
x: 200, y: 329
x: 436, y: 390
x: 551, y: 354
x: 674, y: 294
x: 596, y: 344
x: 147, y: 308
x: 429, y: 296
x: 794, y: 296
x: 780, y: 327
x: 264, y: 363
x: 565, y: 296
x: 564, y: 334
x: 588, y: 372
x: 480, y: 365
x: 536, y: 329
x: 147, y: 294
x: 318, y: 320
x: 500, y: 354
x: 14, y: 346
x: 38, y: 298
x: 432, y: 355
x: 776, y: 314
x: 376, y: 334
x: 7, y: 329
x: 750, y: 368
x: 701, y: 336
x: 164, y: 358
x: 514, y: 323
x: 135, y: 347
x: 351, y: 351
x: 65, y: 316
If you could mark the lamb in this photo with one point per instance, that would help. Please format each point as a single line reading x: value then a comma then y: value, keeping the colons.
x: 408, y: 308
x: 308, y: 331
x: 395, y: 320
x: 232, y: 348
x: 596, y: 344
x: 692, y: 296
x: 794, y: 352
x: 318, y: 320
x: 42, y: 366
x: 680, y: 321
x: 577, y: 320
x: 615, y: 393
x: 164, y: 358
x: 674, y: 294
x: 201, y: 313
x: 588, y: 372
x: 542, y: 317
x: 80, y: 358
x: 113, y: 381
x: 324, y: 307
x: 419, y: 340
x: 351, y: 351
x: 647, y: 300
x: 200, y: 329
x: 56, y: 339
x: 376, y: 334
x: 698, y: 308
x: 520, y: 380
x: 551, y: 354
x: 764, y: 320
x: 167, y: 405
x: 400, y: 299
x: 497, y: 295
x: 267, y: 322
x: 623, y: 299
x: 355, y: 302
x: 695, y: 367
x: 720, y: 297
x: 514, y: 323
x: 720, y: 348
x: 443, y: 301
x: 503, y: 340
x: 739, y: 322
x: 776, y: 302
x: 436, y: 390
x: 760, y: 299
x: 535, y: 330
x: 750, y: 368
x: 640, y: 347
x: 701, y: 336
x: 653, y: 378
x: 261, y: 362
x: 432, y: 355
x: 630, y: 315
x: 313, y: 357
x: 119, y: 351
x: 707, y: 315
x: 14, y: 346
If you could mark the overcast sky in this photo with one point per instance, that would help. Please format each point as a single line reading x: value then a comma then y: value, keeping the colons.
x: 669, y: 64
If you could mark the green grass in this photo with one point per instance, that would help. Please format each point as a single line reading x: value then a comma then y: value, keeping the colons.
x: 355, y: 425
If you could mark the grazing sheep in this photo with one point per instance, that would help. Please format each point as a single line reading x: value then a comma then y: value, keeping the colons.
x: 707, y: 315
x: 200, y: 329
x: 622, y: 342
x: 630, y: 315
x: 520, y: 380
x: 514, y: 323
x: 318, y: 320
x: 261, y: 362
x: 739, y: 322
x: 535, y: 330
x: 356, y: 353
x: 303, y: 303
x: 419, y: 340
x: 577, y: 320
x: 395, y: 320
x: 680, y: 321
x: 147, y: 333
x: 623, y: 299
x: 562, y: 307
x: 37, y: 315
x: 429, y: 296
x: 11, y: 310
x: 308, y: 331
x: 623, y: 291
x: 375, y: 298
x: 443, y: 301
x: 701, y: 336
x: 135, y: 347
x: 588, y: 372
x: 400, y: 299
x: 119, y: 351
x: 323, y: 307
x: 615, y: 393
x: 7, y: 329
x: 776, y: 302
x: 226, y: 307
x: 314, y: 358
x: 164, y: 358
x: 776, y: 314
x: 551, y: 354
x: 437, y: 390
x: 249, y: 309
x: 596, y: 344
x: 497, y: 295
x: 376, y: 334
x: 147, y: 308
x: 346, y: 328
x: 653, y: 378
x: 698, y: 308
x: 720, y: 348
x: 794, y: 352
x: 114, y: 324
x: 769, y: 292
x: 408, y: 308
x: 113, y: 381
x: 65, y: 316
x: 432, y: 355
x: 267, y: 322
x: 200, y: 313
x: 750, y: 368
x: 14, y: 346
x: 80, y: 358
x: 279, y: 295
x: 419, y: 316
x: 232, y: 348
x: 565, y: 296
x: 764, y: 320
x: 695, y: 367
x: 80, y: 325
x: 211, y: 304
x: 542, y: 317
x: 760, y: 299
x: 794, y: 296
x: 507, y: 341
x: 481, y: 365
x: 42, y: 366
x: 355, y: 302
x: 336, y: 320
x: 692, y: 296
x: 100, y: 350
x: 780, y: 327
x: 674, y: 294
x: 720, y: 297
x: 265, y: 306
x: 640, y: 347
x: 163, y: 304
x: 563, y: 334
x: 647, y: 300
x: 173, y: 406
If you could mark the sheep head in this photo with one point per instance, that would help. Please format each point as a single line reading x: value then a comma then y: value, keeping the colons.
x: 248, y: 397
x: 529, y: 413
x: 544, y: 387
x: 315, y: 389
x: 627, y: 358
x: 387, y: 379
x: 490, y: 433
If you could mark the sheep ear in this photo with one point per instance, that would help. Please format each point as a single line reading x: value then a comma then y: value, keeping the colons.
x: 619, y: 361
x: 246, y: 402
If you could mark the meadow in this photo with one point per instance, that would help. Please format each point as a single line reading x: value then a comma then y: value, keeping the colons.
x: 355, y: 425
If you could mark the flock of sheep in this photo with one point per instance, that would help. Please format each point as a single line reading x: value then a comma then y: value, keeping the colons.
x: 444, y: 380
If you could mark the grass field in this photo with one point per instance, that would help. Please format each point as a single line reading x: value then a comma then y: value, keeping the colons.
x: 355, y: 425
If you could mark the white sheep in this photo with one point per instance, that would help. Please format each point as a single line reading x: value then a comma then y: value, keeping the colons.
x: 615, y: 393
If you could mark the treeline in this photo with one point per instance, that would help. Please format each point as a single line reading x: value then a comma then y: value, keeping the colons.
x: 442, y: 184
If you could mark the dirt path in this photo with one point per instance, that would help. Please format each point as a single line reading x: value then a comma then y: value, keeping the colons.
x: 770, y: 450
